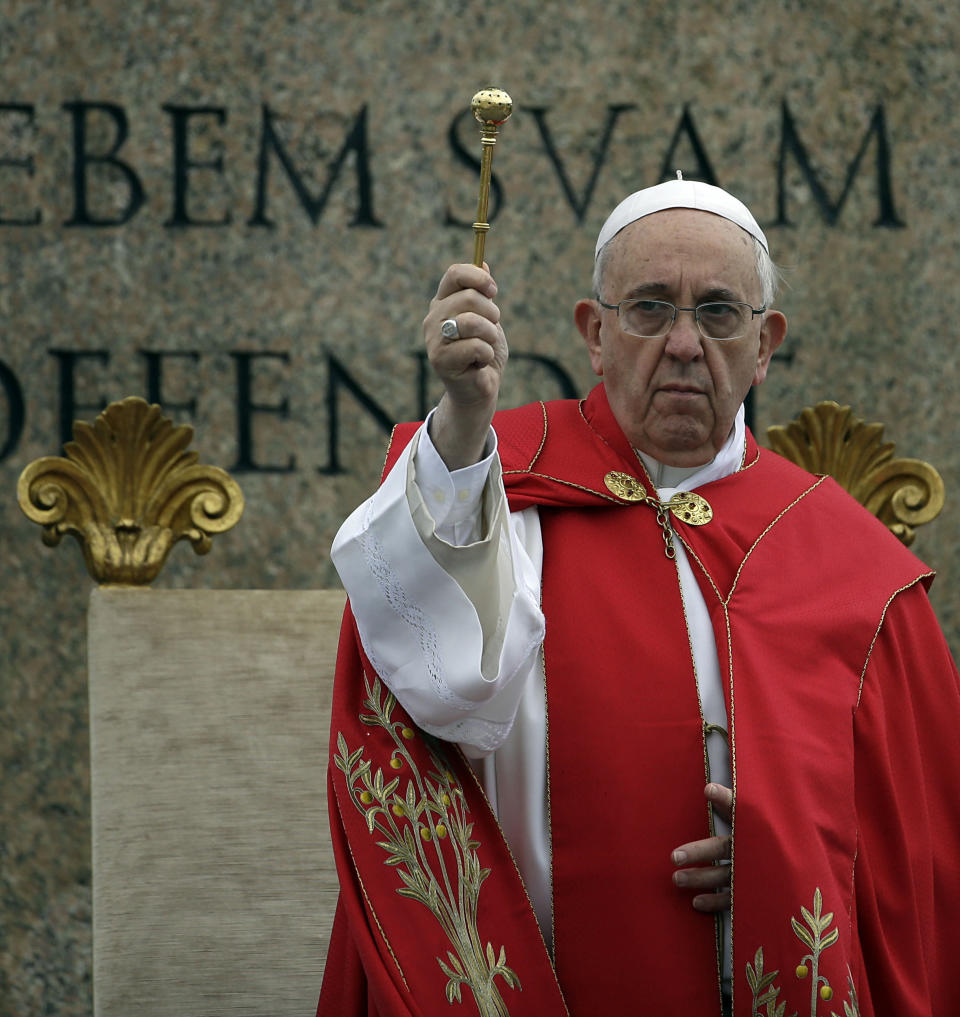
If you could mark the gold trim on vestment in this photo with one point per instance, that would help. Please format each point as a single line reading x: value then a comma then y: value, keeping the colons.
x: 732, y: 741
x: 565, y: 483
x: 773, y: 522
x: 744, y: 465
x: 543, y: 439
x: 386, y: 455
x: 876, y: 634
x: 546, y: 704
x: 376, y: 917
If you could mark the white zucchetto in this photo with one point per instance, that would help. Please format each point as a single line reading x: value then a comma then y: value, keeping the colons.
x: 679, y: 194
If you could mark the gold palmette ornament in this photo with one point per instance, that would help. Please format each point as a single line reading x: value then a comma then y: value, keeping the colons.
x: 827, y: 438
x: 127, y: 489
x: 491, y: 107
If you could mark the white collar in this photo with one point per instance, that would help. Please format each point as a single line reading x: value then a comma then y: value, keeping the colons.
x: 686, y: 478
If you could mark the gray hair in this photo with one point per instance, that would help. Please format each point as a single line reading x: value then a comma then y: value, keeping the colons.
x: 769, y: 275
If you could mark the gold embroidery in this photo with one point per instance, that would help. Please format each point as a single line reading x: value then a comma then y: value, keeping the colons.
x: 816, y: 935
x: 761, y: 985
x: 812, y: 936
x: 428, y: 818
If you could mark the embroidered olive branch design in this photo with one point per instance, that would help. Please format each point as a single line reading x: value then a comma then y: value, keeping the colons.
x: 812, y: 936
x: 764, y: 991
x: 424, y: 830
x: 817, y: 936
x: 851, y: 1006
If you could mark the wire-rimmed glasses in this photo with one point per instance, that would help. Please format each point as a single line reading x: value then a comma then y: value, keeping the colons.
x: 716, y: 319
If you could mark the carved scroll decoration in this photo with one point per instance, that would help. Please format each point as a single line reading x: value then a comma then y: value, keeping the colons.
x: 128, y: 490
x: 827, y: 438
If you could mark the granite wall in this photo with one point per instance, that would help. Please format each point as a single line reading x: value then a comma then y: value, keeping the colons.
x: 242, y: 210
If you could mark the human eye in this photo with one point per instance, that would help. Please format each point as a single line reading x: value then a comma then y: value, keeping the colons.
x: 720, y: 309
x: 646, y: 317
x: 722, y: 318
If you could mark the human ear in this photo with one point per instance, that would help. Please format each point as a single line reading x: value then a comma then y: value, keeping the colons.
x: 586, y: 314
x: 772, y: 333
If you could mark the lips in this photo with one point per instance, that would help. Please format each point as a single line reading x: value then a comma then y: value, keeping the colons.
x: 681, y: 390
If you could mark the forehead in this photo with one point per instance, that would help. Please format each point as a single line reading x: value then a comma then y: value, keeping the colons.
x: 683, y: 246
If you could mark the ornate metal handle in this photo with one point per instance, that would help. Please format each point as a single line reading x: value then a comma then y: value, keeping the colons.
x: 491, y: 107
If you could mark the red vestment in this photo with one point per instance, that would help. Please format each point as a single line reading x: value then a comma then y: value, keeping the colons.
x: 842, y: 702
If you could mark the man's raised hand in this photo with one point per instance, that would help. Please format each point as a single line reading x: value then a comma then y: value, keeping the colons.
x: 470, y: 365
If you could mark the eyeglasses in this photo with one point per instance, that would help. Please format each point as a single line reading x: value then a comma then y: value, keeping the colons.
x: 649, y: 319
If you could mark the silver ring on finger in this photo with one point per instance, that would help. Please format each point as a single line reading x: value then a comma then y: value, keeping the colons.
x: 449, y: 329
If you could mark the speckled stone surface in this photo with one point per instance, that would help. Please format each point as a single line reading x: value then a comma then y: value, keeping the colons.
x: 777, y: 100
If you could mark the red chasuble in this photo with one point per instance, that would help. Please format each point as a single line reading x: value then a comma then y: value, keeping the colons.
x: 842, y: 703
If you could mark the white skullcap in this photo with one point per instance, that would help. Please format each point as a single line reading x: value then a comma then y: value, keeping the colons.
x: 679, y: 194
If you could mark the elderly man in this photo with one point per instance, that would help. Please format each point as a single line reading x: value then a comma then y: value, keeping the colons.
x: 641, y: 630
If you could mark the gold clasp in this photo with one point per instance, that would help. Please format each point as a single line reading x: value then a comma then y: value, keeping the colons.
x: 687, y: 506
x: 690, y: 507
x: 626, y: 487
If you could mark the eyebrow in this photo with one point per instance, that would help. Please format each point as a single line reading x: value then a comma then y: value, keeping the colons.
x: 657, y: 289
x: 647, y: 290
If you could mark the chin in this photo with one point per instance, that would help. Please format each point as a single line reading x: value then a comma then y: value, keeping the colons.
x: 684, y: 436
x: 691, y: 457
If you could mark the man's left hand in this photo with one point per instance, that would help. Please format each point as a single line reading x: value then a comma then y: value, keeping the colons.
x: 705, y: 864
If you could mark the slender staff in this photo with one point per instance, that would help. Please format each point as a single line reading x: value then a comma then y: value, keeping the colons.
x: 491, y: 107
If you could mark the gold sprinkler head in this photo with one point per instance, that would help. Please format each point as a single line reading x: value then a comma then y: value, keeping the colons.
x: 492, y: 106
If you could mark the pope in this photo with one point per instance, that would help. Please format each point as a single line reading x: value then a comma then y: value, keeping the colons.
x: 631, y: 713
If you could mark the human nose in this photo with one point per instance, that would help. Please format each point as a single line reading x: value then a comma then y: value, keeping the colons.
x: 684, y: 341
